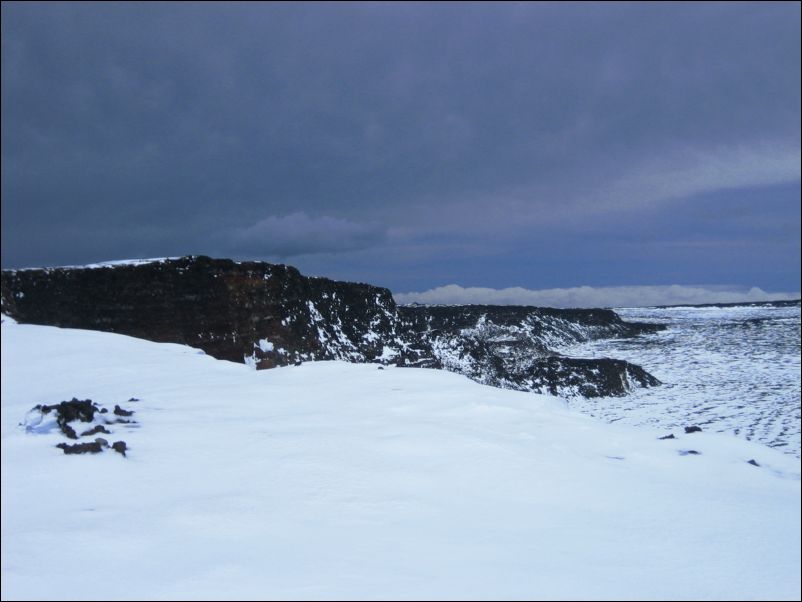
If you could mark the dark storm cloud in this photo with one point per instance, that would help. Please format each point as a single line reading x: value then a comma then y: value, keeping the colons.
x: 299, y: 234
x: 446, y: 134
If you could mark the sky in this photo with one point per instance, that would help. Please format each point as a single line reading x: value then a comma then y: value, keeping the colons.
x: 416, y: 146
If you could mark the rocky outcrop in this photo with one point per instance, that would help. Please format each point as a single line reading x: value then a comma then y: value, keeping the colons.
x: 260, y: 313
x: 42, y: 419
x: 512, y: 347
x: 270, y: 315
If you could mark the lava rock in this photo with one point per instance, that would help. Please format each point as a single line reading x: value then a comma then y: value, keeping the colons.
x: 81, y: 448
x: 671, y: 436
x: 120, y: 412
x: 692, y: 429
x: 120, y: 447
x: 68, y: 431
x: 689, y: 452
x: 134, y: 399
x: 753, y: 462
x: 94, y: 431
x: 70, y: 411
x: 605, y: 377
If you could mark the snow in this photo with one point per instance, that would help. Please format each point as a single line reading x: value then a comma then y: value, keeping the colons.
x: 388, y: 354
x: 732, y: 369
x: 102, y: 264
x: 340, y: 481
x: 265, y: 345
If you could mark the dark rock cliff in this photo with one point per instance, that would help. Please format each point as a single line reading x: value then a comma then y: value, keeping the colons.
x: 257, y: 312
x: 270, y: 315
x: 512, y: 347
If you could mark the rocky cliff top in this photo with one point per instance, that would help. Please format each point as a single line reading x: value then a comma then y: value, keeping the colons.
x: 270, y: 315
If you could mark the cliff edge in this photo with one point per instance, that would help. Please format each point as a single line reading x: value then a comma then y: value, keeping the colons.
x: 269, y: 315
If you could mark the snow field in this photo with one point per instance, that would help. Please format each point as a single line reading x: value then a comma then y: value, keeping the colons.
x: 341, y: 481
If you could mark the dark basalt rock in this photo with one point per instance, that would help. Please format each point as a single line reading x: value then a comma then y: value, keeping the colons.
x: 94, y: 431
x: 753, y: 462
x: 68, y: 431
x: 75, y: 409
x: 671, y: 436
x: 84, y: 410
x: 689, y: 452
x: 270, y: 315
x: 223, y: 307
x: 693, y: 429
x: 70, y: 411
x: 509, y: 347
x: 588, y: 377
x: 95, y: 447
x: 81, y: 448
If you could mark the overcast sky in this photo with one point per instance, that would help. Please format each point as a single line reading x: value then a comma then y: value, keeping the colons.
x: 413, y: 146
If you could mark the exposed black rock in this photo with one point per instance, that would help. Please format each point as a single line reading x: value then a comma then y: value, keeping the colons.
x: 134, y: 399
x: 94, y: 431
x: 510, y: 347
x: 587, y: 377
x: 75, y: 409
x: 68, y: 431
x: 753, y: 462
x: 671, y: 436
x: 70, y: 411
x: 223, y: 307
x: 81, y: 448
x: 689, y: 452
x: 270, y: 315
x: 693, y: 429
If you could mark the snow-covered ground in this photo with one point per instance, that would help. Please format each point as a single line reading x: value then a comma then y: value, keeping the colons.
x: 727, y: 369
x: 334, y: 480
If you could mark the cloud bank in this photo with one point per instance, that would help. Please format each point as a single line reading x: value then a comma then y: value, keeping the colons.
x: 588, y: 296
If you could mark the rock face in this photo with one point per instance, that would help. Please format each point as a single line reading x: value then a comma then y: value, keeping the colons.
x: 260, y: 313
x: 270, y: 315
x: 510, y: 347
